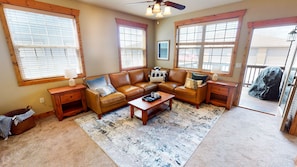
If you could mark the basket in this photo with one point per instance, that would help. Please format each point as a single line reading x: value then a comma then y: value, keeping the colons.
x: 21, y: 126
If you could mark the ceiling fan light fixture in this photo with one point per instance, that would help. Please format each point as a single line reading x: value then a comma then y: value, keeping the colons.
x: 159, y: 15
x: 167, y: 11
x: 156, y: 8
x: 149, y: 11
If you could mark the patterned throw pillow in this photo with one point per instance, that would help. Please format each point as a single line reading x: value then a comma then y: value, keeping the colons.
x: 192, y: 84
x: 158, y: 76
x: 106, y: 90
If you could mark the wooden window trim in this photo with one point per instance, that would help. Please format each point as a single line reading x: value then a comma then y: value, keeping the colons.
x: 131, y: 24
x: 43, y: 7
x: 223, y: 16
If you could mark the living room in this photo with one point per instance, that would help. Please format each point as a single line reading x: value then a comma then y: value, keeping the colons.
x: 99, y: 42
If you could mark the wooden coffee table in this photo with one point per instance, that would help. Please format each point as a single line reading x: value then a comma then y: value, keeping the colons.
x: 150, y: 109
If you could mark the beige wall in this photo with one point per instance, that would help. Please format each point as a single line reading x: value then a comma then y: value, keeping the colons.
x: 256, y: 10
x: 99, y: 37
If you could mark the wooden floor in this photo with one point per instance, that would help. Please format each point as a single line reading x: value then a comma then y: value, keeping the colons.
x: 253, y: 103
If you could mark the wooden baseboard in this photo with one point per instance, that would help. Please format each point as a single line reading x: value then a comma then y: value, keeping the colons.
x: 44, y: 115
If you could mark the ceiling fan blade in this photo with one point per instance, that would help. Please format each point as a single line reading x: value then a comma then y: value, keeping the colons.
x: 175, y: 5
x: 140, y: 2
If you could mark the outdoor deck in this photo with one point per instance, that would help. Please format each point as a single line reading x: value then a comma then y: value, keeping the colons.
x: 253, y: 103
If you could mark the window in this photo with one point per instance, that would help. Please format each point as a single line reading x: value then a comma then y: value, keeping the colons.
x: 132, y: 43
x: 205, y: 43
x: 43, y: 44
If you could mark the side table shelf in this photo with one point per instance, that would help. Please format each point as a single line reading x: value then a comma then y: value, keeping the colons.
x: 221, y: 93
x: 68, y: 101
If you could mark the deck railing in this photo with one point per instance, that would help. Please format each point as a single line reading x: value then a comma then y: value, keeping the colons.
x: 252, y: 72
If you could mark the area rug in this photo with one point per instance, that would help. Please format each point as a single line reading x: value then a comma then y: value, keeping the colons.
x: 168, y: 139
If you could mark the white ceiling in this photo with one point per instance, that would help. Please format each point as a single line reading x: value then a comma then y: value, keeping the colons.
x: 139, y: 9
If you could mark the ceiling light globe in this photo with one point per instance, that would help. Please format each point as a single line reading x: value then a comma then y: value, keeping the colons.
x: 149, y: 11
x: 157, y: 8
x: 167, y: 11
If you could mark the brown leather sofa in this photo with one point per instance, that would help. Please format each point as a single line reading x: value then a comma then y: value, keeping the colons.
x: 132, y: 84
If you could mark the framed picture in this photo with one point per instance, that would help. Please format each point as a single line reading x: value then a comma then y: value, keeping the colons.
x: 163, y: 50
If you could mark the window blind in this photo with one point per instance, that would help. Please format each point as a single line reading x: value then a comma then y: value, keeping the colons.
x: 45, y: 44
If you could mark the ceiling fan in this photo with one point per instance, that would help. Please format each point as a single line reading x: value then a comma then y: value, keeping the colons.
x: 156, y: 7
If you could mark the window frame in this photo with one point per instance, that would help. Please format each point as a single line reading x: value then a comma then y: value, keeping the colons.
x: 42, y: 7
x: 209, y: 19
x: 127, y: 23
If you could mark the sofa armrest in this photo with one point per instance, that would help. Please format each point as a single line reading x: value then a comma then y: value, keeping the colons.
x: 201, y: 92
x: 202, y: 85
x: 93, y: 101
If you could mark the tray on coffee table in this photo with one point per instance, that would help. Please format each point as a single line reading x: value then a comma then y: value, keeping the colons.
x: 149, y: 98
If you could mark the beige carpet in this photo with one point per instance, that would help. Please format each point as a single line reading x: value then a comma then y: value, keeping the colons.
x: 240, y: 138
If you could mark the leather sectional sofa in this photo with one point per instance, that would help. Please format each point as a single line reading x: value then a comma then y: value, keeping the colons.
x: 129, y: 85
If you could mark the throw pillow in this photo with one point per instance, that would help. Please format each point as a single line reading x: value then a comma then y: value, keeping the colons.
x: 96, y: 83
x: 196, y: 76
x: 158, y: 76
x: 199, y: 82
x: 106, y: 90
x: 191, y: 83
x: 157, y: 79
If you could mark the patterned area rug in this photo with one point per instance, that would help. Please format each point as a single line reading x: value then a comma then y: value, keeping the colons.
x: 168, y: 139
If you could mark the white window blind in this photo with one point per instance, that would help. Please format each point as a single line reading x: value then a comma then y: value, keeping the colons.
x: 132, y: 46
x: 45, y: 44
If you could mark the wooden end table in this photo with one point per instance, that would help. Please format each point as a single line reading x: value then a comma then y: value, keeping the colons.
x: 68, y: 100
x: 221, y: 93
x: 150, y: 109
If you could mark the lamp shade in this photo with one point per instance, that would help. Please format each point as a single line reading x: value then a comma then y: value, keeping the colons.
x: 70, y: 74
x: 167, y: 11
x: 157, y: 8
x: 149, y: 11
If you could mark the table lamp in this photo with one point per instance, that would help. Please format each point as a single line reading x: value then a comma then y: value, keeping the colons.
x: 216, y: 69
x: 70, y: 74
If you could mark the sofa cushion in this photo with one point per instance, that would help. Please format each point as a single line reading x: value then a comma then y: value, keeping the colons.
x: 147, y: 86
x: 131, y: 91
x: 197, y: 76
x: 136, y: 76
x: 119, y: 79
x: 181, y: 90
x: 178, y: 76
x: 112, y: 99
x: 168, y: 86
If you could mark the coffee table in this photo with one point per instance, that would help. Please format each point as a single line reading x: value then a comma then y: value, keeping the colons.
x: 150, y: 109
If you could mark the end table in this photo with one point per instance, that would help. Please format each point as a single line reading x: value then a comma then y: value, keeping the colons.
x: 68, y: 100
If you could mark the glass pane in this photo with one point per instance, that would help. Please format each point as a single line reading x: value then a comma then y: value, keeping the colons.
x: 221, y: 32
x: 188, y: 57
x: 217, y: 56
